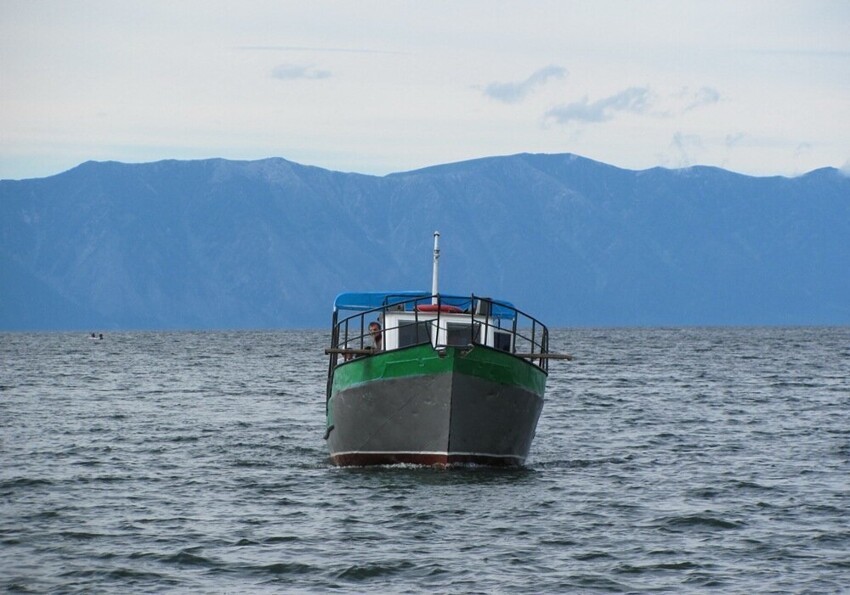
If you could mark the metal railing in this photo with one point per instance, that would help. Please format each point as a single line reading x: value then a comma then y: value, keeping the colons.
x: 528, y: 337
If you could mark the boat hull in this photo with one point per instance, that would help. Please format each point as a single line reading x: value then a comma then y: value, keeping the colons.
x: 421, y: 406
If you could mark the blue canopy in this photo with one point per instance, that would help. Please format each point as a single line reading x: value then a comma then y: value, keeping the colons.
x: 371, y: 300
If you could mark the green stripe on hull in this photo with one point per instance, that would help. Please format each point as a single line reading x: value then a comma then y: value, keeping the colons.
x: 480, y: 362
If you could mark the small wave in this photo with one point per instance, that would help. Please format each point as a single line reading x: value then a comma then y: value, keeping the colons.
x: 559, y: 541
x: 89, y: 463
x: 24, y: 482
x: 838, y: 538
x: 81, y: 535
x: 245, y: 542
x: 117, y: 573
x: 139, y: 575
x: 288, y: 502
x: 743, y: 484
x: 251, y: 464
x: 582, y: 463
x: 279, y: 539
x: 184, y: 439
x: 302, y: 450
x: 43, y: 515
x: 361, y: 572
x: 287, y: 568
x: 420, y: 516
x: 706, y: 493
x: 102, y: 478
x: 640, y: 569
x: 793, y: 384
x: 593, y: 555
x: 186, y: 558
x: 839, y: 563
x: 696, y: 521
x: 595, y: 582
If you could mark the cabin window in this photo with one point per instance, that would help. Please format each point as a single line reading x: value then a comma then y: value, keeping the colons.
x: 413, y: 333
x: 502, y: 341
x: 462, y: 334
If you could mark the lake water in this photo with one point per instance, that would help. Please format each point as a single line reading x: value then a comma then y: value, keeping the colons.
x: 666, y: 460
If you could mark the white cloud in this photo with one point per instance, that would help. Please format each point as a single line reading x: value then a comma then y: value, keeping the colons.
x: 733, y: 140
x: 289, y: 72
x: 515, y: 92
x: 700, y: 97
x: 634, y: 100
x: 683, y: 147
x: 802, y: 149
x: 333, y: 50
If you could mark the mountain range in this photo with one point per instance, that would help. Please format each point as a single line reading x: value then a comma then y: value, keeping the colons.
x: 219, y: 244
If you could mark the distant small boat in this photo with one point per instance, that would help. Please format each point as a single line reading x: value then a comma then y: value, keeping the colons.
x: 432, y: 379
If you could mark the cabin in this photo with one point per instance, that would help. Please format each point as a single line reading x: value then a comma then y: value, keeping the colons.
x: 445, y: 325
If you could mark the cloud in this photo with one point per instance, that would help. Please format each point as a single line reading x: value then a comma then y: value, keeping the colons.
x: 733, y: 140
x: 683, y: 147
x: 290, y: 72
x: 634, y: 100
x: 515, y: 92
x: 298, y: 48
x: 844, y: 170
x: 802, y: 149
x: 700, y: 97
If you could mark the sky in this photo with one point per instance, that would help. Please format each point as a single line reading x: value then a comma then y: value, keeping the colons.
x: 375, y: 87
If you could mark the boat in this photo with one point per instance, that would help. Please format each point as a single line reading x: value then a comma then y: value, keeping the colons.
x: 424, y: 378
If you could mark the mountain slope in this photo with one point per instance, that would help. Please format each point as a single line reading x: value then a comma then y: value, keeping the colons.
x: 267, y: 244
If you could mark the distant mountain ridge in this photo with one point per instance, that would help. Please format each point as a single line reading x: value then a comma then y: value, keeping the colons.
x: 215, y: 244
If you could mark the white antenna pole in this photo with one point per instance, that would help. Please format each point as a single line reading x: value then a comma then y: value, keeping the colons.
x: 435, y: 274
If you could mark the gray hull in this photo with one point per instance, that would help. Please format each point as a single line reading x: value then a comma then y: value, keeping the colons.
x: 432, y: 420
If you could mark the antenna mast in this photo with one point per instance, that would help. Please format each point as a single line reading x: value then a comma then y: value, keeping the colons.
x: 435, y: 274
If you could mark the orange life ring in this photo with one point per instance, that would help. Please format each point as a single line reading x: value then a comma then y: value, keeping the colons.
x: 438, y: 308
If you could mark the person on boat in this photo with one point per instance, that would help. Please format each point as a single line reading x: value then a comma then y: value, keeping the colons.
x: 377, y: 339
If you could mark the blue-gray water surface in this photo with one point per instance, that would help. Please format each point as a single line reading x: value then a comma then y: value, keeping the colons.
x: 666, y: 460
